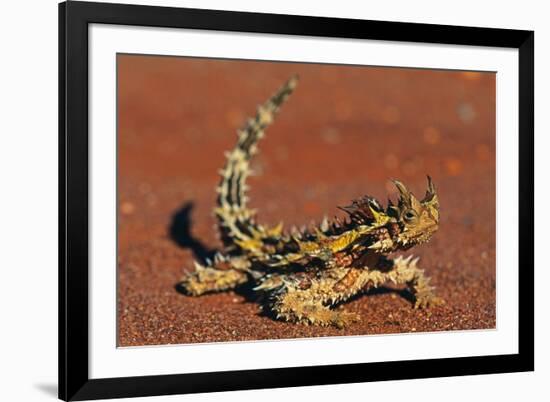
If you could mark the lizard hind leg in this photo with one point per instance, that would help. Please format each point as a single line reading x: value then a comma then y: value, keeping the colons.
x: 211, y: 279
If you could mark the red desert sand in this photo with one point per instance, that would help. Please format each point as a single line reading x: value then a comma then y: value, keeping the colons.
x: 345, y: 132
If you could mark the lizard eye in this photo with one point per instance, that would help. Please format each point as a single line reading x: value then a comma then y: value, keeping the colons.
x: 410, y: 215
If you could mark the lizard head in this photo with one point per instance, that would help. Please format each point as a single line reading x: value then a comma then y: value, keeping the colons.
x: 417, y: 219
x: 397, y: 227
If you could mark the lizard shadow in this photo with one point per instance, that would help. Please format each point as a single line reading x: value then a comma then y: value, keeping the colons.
x: 382, y: 290
x: 180, y: 233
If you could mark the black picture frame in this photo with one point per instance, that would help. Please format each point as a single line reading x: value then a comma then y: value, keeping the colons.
x: 74, y: 18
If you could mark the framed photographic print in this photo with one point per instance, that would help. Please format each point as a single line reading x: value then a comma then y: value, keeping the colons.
x: 257, y: 200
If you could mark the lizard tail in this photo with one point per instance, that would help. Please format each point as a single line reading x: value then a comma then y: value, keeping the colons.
x: 235, y: 220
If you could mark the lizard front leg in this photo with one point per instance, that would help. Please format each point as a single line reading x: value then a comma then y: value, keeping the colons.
x: 405, y: 271
x: 309, y: 301
x: 302, y: 306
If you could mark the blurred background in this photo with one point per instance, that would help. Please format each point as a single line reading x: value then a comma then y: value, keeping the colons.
x: 344, y: 133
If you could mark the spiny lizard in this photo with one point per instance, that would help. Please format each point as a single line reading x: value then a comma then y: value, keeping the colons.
x: 302, y: 274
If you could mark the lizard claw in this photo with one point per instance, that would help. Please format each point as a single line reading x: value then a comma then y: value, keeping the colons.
x: 344, y: 319
x: 428, y: 300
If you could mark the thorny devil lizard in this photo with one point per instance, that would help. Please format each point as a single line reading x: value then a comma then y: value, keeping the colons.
x: 301, y: 275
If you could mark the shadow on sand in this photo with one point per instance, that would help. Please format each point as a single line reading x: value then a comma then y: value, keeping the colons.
x: 180, y: 232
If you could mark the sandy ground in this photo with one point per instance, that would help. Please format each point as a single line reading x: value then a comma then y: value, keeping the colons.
x: 344, y: 133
